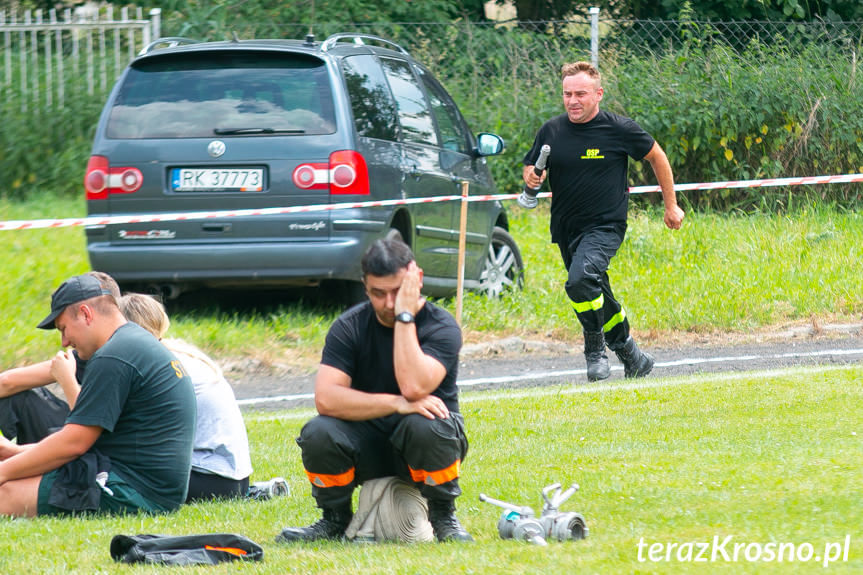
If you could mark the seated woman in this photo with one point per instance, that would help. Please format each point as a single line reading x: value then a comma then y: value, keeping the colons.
x: 221, y: 464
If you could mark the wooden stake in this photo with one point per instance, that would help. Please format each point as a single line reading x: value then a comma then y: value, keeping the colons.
x: 462, y: 234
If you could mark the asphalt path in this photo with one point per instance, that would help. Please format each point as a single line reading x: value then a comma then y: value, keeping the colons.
x: 516, y: 363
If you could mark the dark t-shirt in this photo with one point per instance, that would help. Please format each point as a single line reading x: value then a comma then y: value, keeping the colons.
x: 360, y: 346
x: 138, y: 393
x: 587, y: 170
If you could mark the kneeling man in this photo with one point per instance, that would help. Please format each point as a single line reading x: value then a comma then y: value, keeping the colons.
x: 387, y: 398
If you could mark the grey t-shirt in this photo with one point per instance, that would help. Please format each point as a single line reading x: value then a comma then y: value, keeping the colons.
x: 221, y: 442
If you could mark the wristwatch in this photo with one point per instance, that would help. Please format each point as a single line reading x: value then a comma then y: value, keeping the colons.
x: 405, y: 317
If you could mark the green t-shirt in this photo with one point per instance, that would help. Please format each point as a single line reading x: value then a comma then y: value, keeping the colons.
x: 139, y: 394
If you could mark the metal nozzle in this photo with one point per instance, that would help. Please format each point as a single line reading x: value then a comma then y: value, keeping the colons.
x: 527, y: 201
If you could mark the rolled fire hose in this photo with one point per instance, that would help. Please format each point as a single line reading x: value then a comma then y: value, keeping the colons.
x: 390, y: 509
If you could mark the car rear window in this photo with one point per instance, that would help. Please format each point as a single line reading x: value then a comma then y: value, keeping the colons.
x: 375, y: 112
x: 223, y: 94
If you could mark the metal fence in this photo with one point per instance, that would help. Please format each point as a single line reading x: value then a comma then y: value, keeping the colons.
x: 55, y: 73
x: 41, y: 56
x: 44, y: 56
x: 739, y: 36
x: 465, y: 55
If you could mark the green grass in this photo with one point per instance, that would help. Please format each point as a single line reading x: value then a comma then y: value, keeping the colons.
x: 718, y: 274
x: 762, y: 457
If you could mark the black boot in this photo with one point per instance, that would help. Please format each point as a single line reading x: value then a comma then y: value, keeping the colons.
x: 594, y: 353
x: 331, y: 526
x: 444, y: 523
x: 636, y: 363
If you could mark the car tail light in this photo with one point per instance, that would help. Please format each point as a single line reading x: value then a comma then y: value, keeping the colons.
x: 102, y: 179
x: 311, y: 176
x: 346, y: 173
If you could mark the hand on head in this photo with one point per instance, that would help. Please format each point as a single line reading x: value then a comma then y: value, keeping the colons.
x: 409, y: 298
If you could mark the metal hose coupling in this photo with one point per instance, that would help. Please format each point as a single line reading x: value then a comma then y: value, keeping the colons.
x: 519, y: 522
x: 527, y: 198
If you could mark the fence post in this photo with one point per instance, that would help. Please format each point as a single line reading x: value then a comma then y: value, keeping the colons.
x: 156, y: 22
x: 22, y: 59
x: 594, y: 36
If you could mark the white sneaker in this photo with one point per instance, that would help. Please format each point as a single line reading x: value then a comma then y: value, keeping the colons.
x: 263, y: 490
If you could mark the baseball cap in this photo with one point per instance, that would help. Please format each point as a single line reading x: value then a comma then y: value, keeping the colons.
x: 73, y: 290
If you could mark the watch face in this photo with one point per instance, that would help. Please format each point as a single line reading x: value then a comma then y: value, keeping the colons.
x: 405, y: 317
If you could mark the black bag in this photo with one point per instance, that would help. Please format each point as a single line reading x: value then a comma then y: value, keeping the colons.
x: 208, y: 549
x: 79, y: 483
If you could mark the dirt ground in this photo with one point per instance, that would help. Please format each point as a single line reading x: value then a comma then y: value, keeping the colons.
x: 543, y: 360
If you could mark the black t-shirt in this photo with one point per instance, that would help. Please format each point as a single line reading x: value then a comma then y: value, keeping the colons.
x: 587, y: 170
x: 138, y: 393
x: 360, y: 346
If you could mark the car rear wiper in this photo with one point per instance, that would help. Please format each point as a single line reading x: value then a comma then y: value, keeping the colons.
x: 235, y: 131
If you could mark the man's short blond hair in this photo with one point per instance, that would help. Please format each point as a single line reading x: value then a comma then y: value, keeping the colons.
x: 573, y: 68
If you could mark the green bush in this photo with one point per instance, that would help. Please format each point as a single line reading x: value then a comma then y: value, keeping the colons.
x: 772, y: 112
x: 46, y: 150
x: 780, y: 107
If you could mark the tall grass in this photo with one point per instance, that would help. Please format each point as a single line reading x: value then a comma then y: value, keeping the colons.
x: 720, y: 273
x: 672, y: 460
x: 47, y: 148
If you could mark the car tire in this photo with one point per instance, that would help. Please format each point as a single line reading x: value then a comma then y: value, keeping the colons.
x: 503, y: 269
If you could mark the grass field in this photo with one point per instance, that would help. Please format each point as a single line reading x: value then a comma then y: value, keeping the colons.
x: 763, y: 458
x: 767, y: 459
x: 719, y: 274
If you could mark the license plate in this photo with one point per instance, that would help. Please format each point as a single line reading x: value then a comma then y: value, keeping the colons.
x: 217, y: 179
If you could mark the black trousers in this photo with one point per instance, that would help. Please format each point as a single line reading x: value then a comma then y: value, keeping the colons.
x: 338, y: 455
x: 587, y: 256
x: 207, y: 486
x: 32, y: 415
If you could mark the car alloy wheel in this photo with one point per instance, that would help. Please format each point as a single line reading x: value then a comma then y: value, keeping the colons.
x: 503, y: 269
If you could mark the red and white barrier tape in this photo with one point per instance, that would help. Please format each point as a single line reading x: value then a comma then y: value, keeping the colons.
x: 766, y: 183
x: 165, y: 217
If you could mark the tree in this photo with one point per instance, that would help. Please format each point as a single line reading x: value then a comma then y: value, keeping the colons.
x: 21, y: 5
x: 537, y: 10
x: 717, y: 10
x: 217, y: 19
x: 722, y: 10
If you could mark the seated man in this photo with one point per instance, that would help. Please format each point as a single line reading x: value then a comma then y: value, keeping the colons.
x: 127, y: 444
x: 221, y: 463
x: 387, y: 398
x: 28, y: 410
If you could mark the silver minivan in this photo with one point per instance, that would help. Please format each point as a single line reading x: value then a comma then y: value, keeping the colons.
x: 279, y: 143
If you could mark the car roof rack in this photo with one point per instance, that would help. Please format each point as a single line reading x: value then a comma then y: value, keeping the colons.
x: 361, y: 40
x: 166, y: 42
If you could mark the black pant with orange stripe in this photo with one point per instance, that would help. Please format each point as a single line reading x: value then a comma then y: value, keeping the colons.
x: 338, y: 455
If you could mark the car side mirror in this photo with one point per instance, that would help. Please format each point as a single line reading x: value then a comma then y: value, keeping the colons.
x: 489, y: 144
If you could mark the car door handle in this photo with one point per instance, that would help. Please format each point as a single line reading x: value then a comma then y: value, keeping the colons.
x: 216, y: 228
